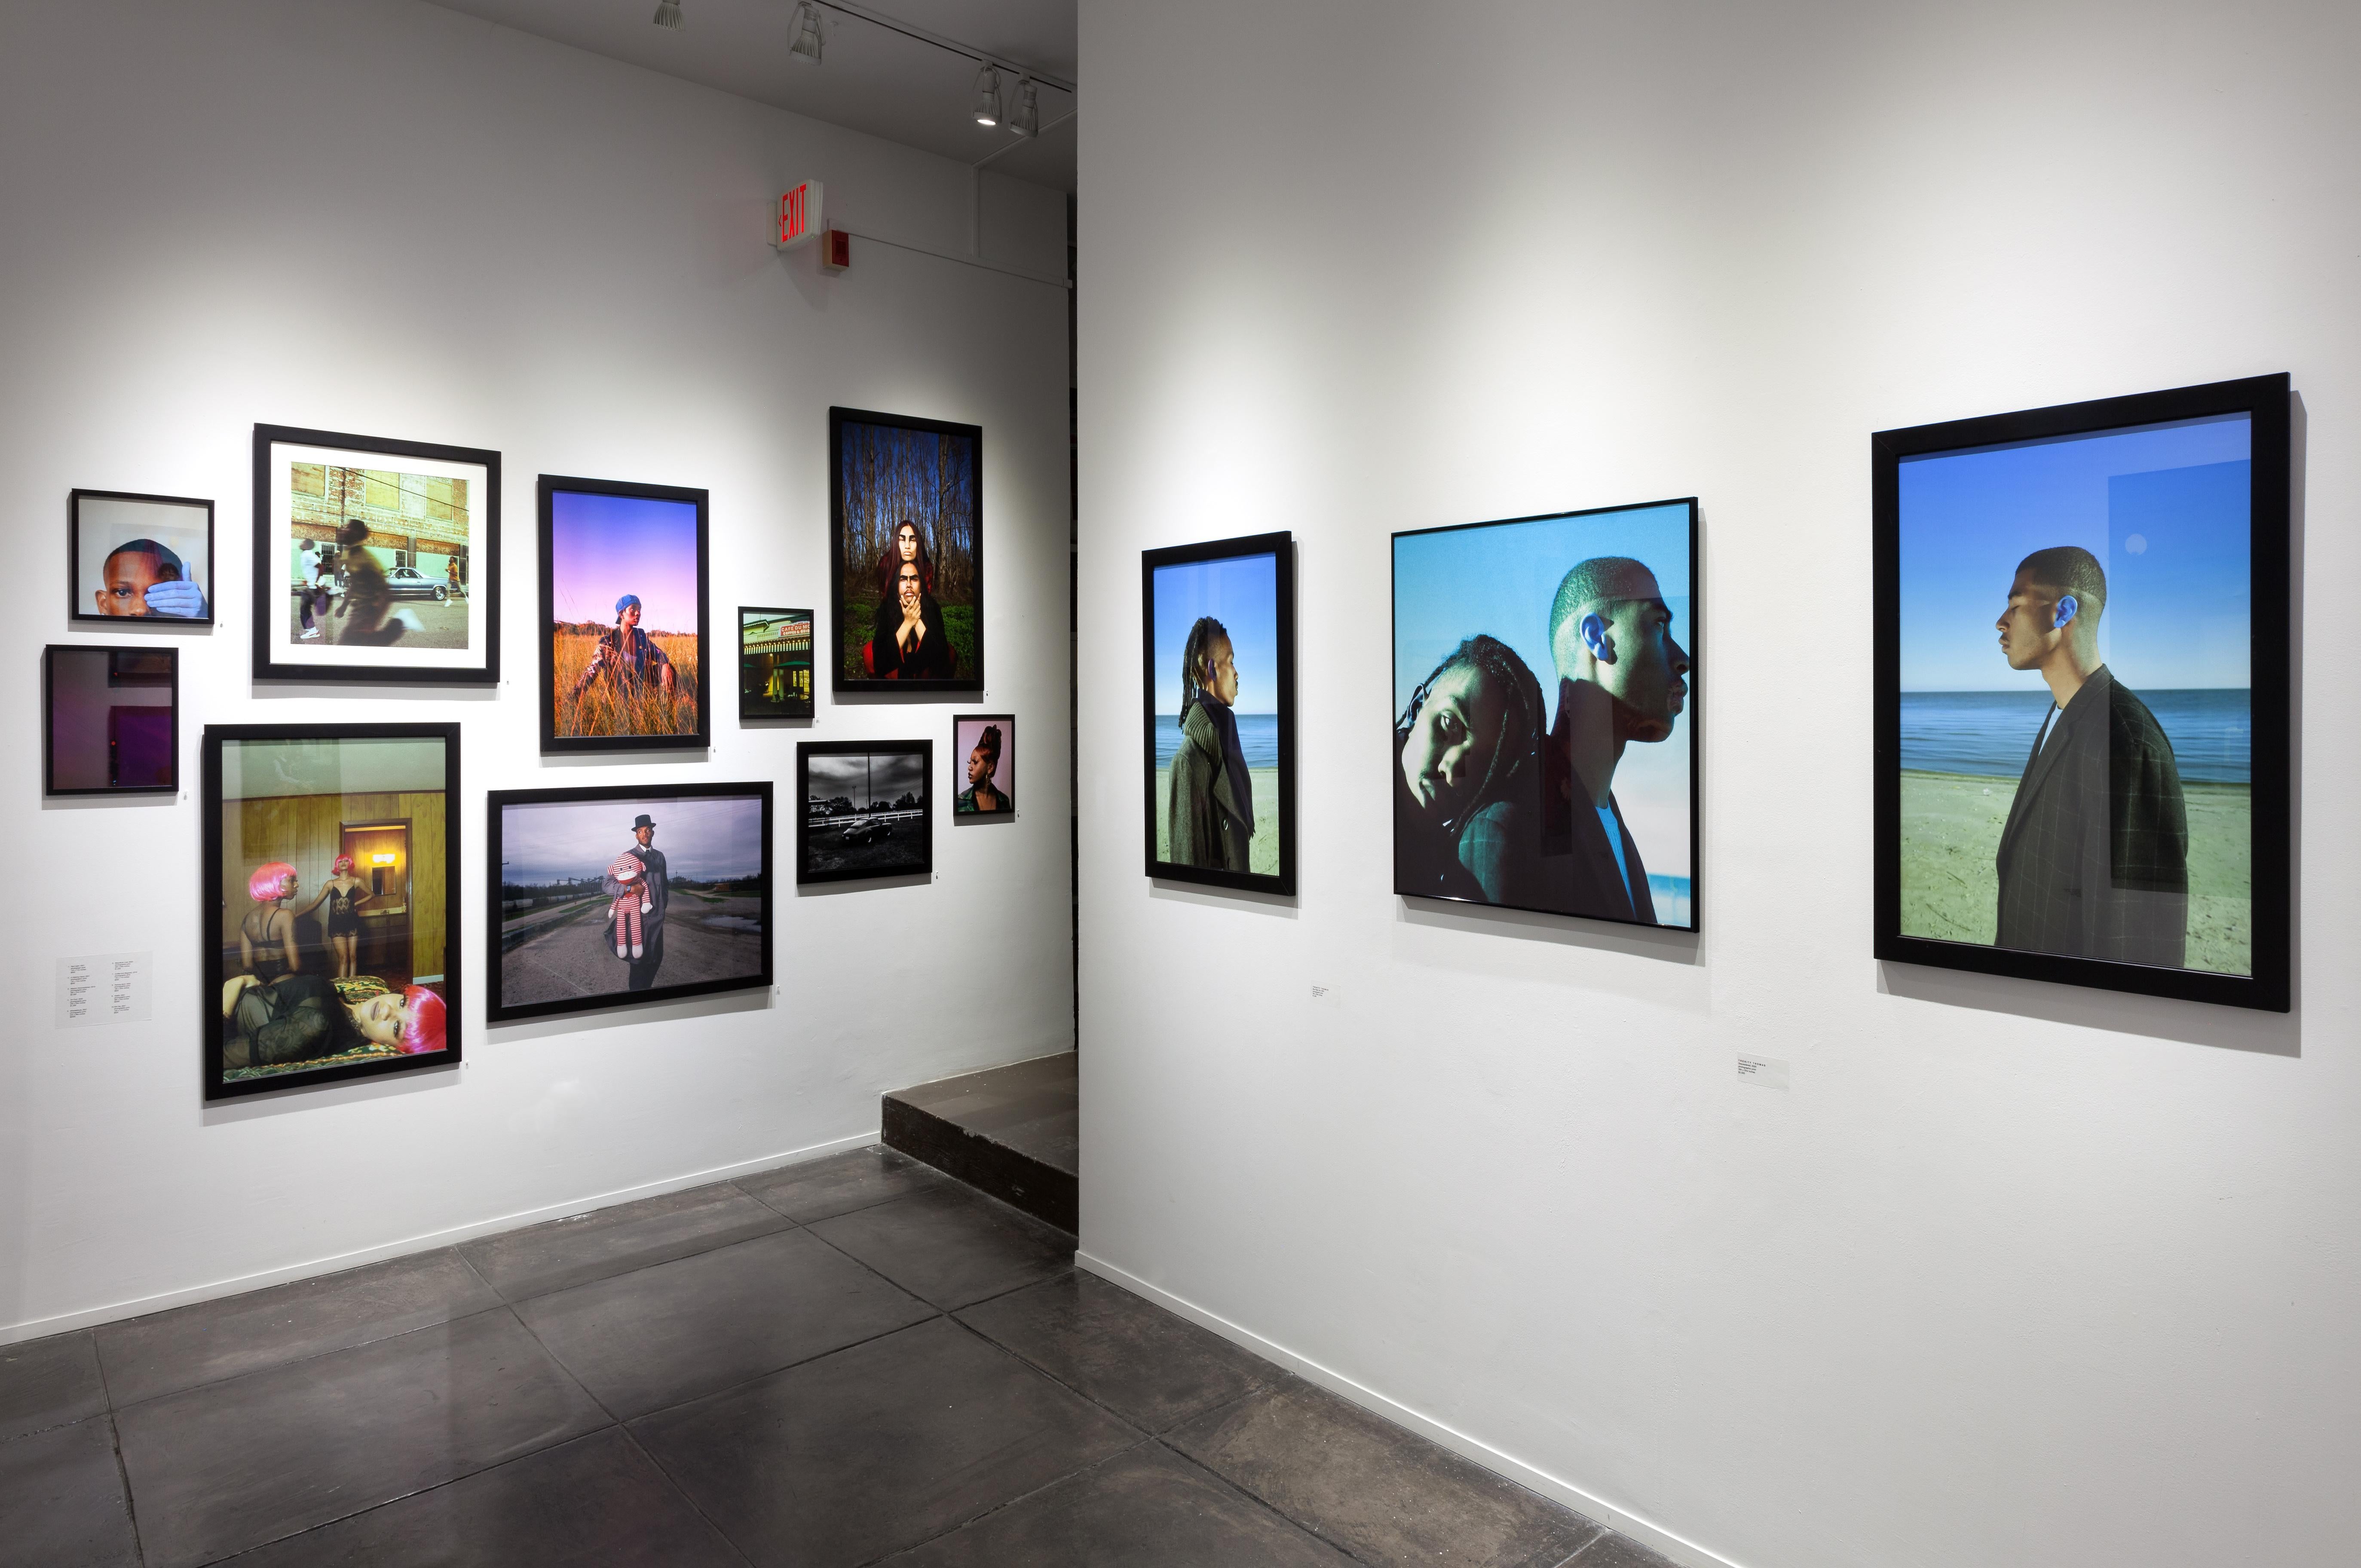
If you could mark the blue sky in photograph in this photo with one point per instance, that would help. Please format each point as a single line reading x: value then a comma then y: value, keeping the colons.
x: 1242, y: 593
x: 703, y: 839
x: 2164, y: 508
x: 1500, y: 580
x: 602, y: 547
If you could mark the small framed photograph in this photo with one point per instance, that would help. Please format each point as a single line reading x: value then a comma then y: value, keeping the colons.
x: 1219, y: 620
x: 1544, y: 743
x: 867, y: 809
x: 332, y: 928
x: 906, y: 553
x: 375, y: 560
x: 145, y: 557
x: 111, y: 721
x: 775, y: 663
x: 2083, y: 694
x: 626, y: 893
x: 623, y: 619
x: 984, y: 750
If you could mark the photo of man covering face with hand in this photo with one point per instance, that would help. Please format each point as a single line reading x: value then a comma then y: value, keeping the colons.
x: 141, y: 557
x: 1544, y: 758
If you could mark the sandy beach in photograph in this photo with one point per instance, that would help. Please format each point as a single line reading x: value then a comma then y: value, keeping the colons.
x: 1262, y: 852
x: 1950, y: 830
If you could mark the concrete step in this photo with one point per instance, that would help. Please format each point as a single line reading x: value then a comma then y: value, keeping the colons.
x: 1011, y: 1131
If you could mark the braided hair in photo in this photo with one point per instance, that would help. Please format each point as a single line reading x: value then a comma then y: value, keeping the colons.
x: 1521, y: 728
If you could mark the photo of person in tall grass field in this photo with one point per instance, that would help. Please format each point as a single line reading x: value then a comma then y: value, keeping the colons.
x: 907, y: 552
x: 2077, y: 698
x: 624, y: 615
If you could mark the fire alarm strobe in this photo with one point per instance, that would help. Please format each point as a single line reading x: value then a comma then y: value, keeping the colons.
x: 835, y: 250
x: 800, y: 217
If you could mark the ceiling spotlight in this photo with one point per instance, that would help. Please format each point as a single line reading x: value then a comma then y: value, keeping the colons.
x: 805, y: 49
x: 668, y: 14
x: 1025, y: 120
x: 987, y: 96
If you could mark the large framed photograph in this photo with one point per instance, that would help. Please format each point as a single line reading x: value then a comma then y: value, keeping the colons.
x: 375, y: 560
x: 2083, y: 709
x: 332, y: 904
x: 623, y: 619
x: 984, y: 750
x: 775, y: 663
x: 109, y: 720
x: 626, y: 893
x: 1545, y: 741
x: 1219, y: 624
x: 868, y: 809
x: 144, y: 557
x: 906, y: 553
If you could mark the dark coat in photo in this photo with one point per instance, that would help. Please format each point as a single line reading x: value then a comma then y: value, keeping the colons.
x: 652, y: 924
x: 2094, y: 861
x: 1204, y: 822
x: 931, y: 660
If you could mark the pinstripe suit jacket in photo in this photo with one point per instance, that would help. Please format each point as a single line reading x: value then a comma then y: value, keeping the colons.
x: 2094, y: 859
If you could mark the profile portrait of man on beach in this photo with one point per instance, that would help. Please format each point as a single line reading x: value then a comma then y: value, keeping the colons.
x: 1215, y: 640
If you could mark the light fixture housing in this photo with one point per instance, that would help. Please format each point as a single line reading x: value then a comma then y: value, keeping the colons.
x: 805, y: 47
x: 1025, y: 120
x: 668, y: 14
x: 987, y: 96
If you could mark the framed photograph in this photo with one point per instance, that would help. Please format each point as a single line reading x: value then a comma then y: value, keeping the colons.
x: 332, y: 925
x: 1219, y: 620
x: 109, y: 720
x: 375, y: 560
x: 984, y: 750
x: 1544, y: 742
x: 623, y: 620
x: 2083, y: 707
x: 148, y: 557
x: 775, y: 663
x: 906, y: 553
x: 868, y: 809
x: 627, y: 892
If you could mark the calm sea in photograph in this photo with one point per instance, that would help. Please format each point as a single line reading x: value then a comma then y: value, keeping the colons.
x: 1258, y: 737
x: 1992, y: 733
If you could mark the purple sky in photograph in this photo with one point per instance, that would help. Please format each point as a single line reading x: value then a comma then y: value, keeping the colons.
x: 602, y: 547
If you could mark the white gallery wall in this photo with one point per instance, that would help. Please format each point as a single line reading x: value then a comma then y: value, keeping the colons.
x: 387, y: 218
x: 2012, y: 1272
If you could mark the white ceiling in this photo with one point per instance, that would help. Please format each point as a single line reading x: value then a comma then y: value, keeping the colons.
x: 872, y: 79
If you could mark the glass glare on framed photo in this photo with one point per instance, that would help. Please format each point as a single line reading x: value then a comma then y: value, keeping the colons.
x: 907, y: 551
x: 622, y: 893
x: 866, y: 809
x: 983, y: 749
x: 1544, y: 750
x: 775, y: 663
x: 1221, y: 712
x: 332, y: 913
x: 112, y: 720
x: 2079, y: 713
x: 145, y: 557
x: 624, y: 615
x: 375, y: 560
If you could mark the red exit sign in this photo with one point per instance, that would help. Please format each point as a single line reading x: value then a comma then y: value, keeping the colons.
x: 800, y: 217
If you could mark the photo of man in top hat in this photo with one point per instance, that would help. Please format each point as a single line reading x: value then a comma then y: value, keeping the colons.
x: 658, y: 889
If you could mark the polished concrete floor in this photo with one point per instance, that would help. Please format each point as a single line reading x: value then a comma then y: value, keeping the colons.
x: 846, y: 1362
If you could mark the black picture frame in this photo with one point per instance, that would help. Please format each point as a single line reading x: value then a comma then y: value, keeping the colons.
x: 809, y: 852
x: 498, y: 941
x: 451, y: 986
x: 839, y: 680
x: 752, y: 706
x: 2265, y: 401
x: 1006, y: 781
x: 552, y: 743
x: 482, y: 582
x: 76, y: 607
x: 1693, y: 712
x: 1281, y: 546
x: 125, y: 667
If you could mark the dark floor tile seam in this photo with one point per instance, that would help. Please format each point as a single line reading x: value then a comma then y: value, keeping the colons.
x: 622, y: 1273
x: 123, y: 1476
x: 717, y: 1392
x: 1338, y: 1547
x: 682, y: 1492
x: 1007, y: 1503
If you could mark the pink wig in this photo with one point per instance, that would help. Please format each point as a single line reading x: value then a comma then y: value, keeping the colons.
x: 424, y: 1030
x: 263, y: 886
x: 344, y: 863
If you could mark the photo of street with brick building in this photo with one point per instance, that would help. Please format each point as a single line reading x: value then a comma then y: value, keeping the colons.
x: 378, y: 557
